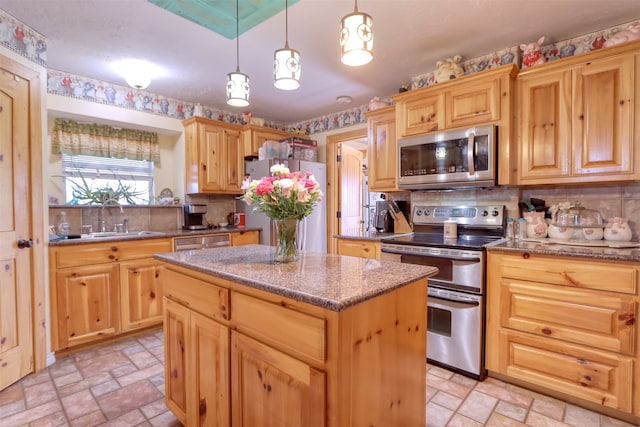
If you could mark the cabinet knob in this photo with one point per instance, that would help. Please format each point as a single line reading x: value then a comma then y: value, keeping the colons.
x: 526, y: 255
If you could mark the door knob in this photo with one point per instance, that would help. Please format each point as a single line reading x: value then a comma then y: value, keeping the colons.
x: 22, y: 243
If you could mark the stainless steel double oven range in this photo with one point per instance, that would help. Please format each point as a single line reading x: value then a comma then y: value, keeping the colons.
x: 456, y: 295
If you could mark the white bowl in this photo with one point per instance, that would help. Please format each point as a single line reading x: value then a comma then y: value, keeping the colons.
x: 223, y: 224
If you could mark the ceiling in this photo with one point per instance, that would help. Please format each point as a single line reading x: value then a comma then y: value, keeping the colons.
x: 84, y: 36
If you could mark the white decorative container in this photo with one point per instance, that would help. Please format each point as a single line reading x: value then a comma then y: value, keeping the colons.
x: 617, y: 230
x: 595, y: 233
x: 560, y: 233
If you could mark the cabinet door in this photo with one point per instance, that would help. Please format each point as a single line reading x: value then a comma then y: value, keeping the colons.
x: 211, y: 151
x: 254, y: 138
x: 234, y: 165
x: 141, y: 293
x: 471, y: 104
x: 245, y: 238
x: 423, y: 114
x: 176, y: 348
x: 544, y: 124
x: 603, y: 117
x: 208, y: 372
x: 88, y: 304
x: 382, y: 151
x: 599, y: 377
x: 270, y: 388
x: 359, y: 248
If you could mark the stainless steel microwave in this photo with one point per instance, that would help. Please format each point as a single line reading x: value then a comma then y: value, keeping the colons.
x: 451, y: 159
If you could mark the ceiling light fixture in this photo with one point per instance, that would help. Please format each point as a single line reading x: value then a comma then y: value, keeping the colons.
x: 286, y: 62
x: 344, y: 99
x: 137, y: 73
x: 237, y: 82
x: 356, y: 38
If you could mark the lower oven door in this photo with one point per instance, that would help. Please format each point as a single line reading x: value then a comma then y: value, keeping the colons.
x: 454, y: 330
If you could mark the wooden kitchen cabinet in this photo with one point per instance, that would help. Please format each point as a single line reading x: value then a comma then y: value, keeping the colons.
x: 382, y: 150
x: 254, y: 136
x: 576, y: 118
x: 360, y: 248
x: 214, y: 156
x: 565, y: 325
x: 245, y: 238
x: 482, y: 98
x: 99, y: 290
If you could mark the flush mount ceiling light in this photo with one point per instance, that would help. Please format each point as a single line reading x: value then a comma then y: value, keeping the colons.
x: 356, y: 38
x: 286, y: 62
x: 344, y: 99
x: 237, y: 82
x: 137, y: 73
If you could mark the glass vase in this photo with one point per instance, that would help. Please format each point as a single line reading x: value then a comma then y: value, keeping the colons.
x: 287, y: 247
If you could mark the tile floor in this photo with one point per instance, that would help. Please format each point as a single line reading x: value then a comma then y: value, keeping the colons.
x: 122, y: 384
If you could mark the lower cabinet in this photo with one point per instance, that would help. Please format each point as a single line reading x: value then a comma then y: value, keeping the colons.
x: 567, y: 325
x: 99, y: 290
x: 359, y: 248
x: 245, y: 238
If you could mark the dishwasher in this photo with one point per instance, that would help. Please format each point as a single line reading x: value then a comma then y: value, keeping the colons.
x: 201, y: 242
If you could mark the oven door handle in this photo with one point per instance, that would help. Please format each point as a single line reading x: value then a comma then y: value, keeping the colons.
x: 445, y: 303
x: 448, y: 257
x: 471, y: 153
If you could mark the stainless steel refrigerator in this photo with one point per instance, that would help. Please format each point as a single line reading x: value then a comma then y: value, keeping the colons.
x: 312, y: 233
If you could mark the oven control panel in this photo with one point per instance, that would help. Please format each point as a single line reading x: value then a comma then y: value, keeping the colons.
x: 481, y: 215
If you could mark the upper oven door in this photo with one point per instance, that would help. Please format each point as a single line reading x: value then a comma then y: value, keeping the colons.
x: 449, y: 159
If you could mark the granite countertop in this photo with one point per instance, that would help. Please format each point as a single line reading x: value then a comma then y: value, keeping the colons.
x: 368, y: 235
x: 133, y: 235
x: 597, y: 253
x: 330, y: 281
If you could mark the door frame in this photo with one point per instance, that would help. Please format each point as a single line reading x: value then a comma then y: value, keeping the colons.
x: 333, y: 181
x: 37, y: 78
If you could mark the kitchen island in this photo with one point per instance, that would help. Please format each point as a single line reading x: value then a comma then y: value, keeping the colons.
x: 327, y: 340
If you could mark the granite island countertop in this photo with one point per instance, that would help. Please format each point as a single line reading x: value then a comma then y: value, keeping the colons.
x: 596, y: 253
x: 330, y: 281
x: 368, y: 235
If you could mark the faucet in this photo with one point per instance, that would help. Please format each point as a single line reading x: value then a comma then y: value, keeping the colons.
x: 101, y: 221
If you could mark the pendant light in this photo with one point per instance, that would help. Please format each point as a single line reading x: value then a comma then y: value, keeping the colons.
x: 356, y: 38
x: 237, y: 83
x: 286, y: 62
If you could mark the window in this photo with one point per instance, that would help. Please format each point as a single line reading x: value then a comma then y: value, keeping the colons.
x: 90, y: 173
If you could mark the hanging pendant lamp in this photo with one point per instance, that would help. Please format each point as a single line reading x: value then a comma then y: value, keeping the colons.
x: 237, y: 82
x: 356, y: 38
x: 286, y: 62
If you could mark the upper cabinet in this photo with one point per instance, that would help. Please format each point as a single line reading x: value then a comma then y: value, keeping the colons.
x: 382, y: 150
x: 254, y: 136
x: 576, y: 118
x: 214, y: 156
x: 476, y: 99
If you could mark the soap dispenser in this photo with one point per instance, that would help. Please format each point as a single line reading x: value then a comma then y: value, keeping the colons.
x: 63, y: 226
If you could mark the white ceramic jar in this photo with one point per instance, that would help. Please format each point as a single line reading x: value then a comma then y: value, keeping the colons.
x: 595, y: 233
x: 617, y: 230
x: 561, y: 233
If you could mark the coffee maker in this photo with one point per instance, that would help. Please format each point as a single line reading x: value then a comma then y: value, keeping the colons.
x: 193, y: 217
x: 384, y: 219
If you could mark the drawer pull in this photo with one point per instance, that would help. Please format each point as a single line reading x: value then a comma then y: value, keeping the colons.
x: 629, y: 319
x: 526, y: 255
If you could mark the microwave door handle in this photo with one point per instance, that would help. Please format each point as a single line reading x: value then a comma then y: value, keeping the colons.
x: 470, y: 153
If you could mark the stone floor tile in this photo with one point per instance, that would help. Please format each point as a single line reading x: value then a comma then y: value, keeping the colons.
x: 463, y: 381
x: 461, y: 421
x: 437, y: 416
x: 12, y: 408
x: 447, y: 386
x: 613, y: 422
x: 133, y: 349
x: 141, y: 374
x: 79, y: 404
x: 62, y: 367
x: 512, y: 411
x: 94, y: 418
x: 499, y: 420
x: 535, y: 419
x: 502, y: 393
x: 123, y: 370
x: 142, y: 359
x: 105, y: 387
x: 11, y: 394
x: 549, y: 407
x: 431, y: 392
x: 121, y: 401
x: 131, y: 418
x: 32, y: 414
x: 579, y: 417
x: 84, y: 384
x: 102, y: 363
x: 53, y: 420
x: 166, y: 419
x: 36, y: 378
x: 478, y: 406
x: 70, y: 378
x: 40, y: 393
x: 440, y: 372
x: 155, y: 408
x: 150, y: 341
x: 158, y: 379
x: 448, y: 401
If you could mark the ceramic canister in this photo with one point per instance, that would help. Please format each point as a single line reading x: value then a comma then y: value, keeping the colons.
x: 450, y: 229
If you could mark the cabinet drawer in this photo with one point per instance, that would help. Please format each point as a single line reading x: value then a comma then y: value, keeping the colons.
x: 203, y: 297
x: 596, y: 376
x: 98, y: 253
x: 592, y: 318
x: 358, y: 248
x: 579, y: 274
x: 245, y: 238
x: 290, y: 330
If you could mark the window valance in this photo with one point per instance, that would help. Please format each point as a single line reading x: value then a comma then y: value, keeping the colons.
x: 70, y: 137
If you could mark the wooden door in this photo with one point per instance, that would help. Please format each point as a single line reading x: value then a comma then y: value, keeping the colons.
x: 272, y: 389
x: 544, y: 127
x: 176, y: 345
x: 88, y: 304
x: 350, y: 170
x: 208, y: 357
x: 383, y: 150
x: 603, y: 117
x: 141, y: 293
x: 16, y: 327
